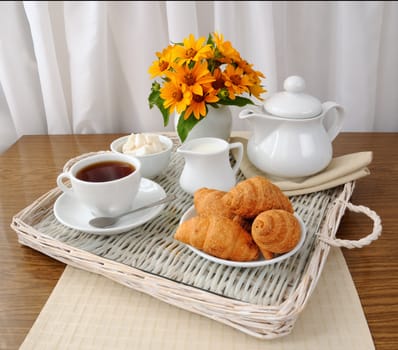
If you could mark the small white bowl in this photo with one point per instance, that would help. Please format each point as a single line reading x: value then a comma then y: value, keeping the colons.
x: 152, y: 165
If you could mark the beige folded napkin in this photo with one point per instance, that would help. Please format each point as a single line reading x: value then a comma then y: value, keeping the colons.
x: 341, y: 170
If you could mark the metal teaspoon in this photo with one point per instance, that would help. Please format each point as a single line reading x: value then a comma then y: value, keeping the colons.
x: 105, y: 221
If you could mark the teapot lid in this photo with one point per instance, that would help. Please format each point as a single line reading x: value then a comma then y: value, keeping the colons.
x: 293, y: 102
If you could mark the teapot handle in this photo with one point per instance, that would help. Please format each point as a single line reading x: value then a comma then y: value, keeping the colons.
x: 333, y: 122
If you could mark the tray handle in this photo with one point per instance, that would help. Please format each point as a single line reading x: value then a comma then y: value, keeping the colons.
x: 376, y: 232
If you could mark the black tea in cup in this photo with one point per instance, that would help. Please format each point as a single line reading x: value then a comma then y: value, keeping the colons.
x: 105, y: 171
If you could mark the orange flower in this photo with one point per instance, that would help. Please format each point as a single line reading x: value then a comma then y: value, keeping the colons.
x: 236, y: 82
x: 225, y: 48
x: 219, y: 81
x: 193, y: 78
x: 198, y: 104
x: 257, y: 90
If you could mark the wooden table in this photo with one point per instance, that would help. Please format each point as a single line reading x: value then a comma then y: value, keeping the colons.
x: 29, y: 168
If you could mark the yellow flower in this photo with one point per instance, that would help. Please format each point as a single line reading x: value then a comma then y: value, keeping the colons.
x: 176, y: 96
x: 192, y: 50
x: 165, y: 59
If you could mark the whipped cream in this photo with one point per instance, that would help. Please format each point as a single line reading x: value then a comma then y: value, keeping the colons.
x: 143, y: 144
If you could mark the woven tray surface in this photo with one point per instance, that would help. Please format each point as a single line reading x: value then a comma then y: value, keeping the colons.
x: 151, y: 247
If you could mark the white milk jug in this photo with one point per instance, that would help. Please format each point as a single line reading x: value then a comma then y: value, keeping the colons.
x: 207, y: 164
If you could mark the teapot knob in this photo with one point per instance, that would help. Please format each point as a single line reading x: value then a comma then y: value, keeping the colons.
x: 294, y: 83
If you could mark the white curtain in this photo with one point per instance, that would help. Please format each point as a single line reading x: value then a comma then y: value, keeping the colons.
x: 82, y: 67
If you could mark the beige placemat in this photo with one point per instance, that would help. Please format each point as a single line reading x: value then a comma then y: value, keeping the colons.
x: 343, y: 169
x: 89, y: 311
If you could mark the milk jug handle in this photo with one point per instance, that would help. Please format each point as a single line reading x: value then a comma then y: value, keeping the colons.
x: 332, y: 122
x: 238, y: 155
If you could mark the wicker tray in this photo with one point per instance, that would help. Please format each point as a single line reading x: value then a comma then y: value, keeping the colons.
x: 263, y: 301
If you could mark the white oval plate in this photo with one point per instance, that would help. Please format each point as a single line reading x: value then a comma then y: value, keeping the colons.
x: 260, y: 262
x: 74, y: 214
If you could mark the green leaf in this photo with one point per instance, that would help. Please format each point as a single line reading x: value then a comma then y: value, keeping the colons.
x: 185, y: 126
x: 239, y: 101
x: 210, y: 40
x: 154, y: 99
x: 166, y: 115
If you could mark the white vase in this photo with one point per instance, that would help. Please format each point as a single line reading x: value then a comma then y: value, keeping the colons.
x: 217, y: 123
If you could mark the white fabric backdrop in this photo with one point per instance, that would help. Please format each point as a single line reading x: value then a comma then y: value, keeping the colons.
x: 81, y: 67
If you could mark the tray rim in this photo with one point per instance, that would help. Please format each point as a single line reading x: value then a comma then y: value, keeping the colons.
x: 264, y: 322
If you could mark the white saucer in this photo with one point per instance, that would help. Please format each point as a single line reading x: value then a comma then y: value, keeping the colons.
x: 260, y: 262
x: 73, y: 214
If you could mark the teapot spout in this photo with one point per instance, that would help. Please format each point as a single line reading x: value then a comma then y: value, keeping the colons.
x: 248, y: 113
x: 259, y: 123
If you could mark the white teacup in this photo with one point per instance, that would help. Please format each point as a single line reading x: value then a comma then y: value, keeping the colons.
x: 106, y: 183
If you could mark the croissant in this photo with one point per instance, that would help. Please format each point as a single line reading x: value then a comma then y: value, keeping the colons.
x: 254, y: 195
x: 207, y: 201
x: 276, y: 231
x: 218, y: 236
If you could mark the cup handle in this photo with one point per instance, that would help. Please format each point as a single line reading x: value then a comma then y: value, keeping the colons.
x: 60, y: 182
x: 333, y: 123
x: 239, y: 155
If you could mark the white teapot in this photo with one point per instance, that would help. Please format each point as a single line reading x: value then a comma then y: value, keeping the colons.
x: 292, y: 133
